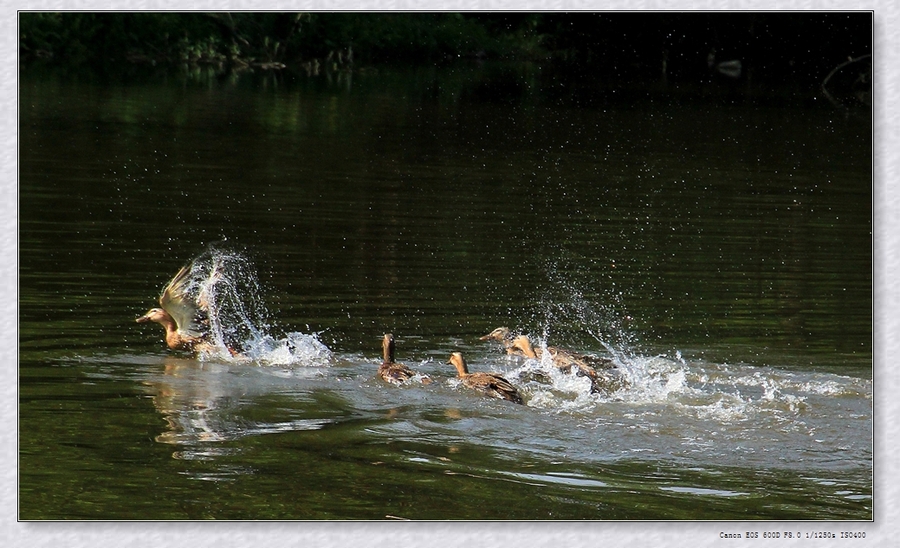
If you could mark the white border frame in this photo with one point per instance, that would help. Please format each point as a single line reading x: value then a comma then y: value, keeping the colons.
x: 884, y: 530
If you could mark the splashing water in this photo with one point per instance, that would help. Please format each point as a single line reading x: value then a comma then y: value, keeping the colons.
x: 690, y: 397
x: 569, y: 306
x: 239, y: 325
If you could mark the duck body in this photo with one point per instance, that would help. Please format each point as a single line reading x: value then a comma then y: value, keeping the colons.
x: 561, y: 357
x: 567, y: 361
x: 581, y: 360
x: 183, y: 317
x: 176, y: 339
x: 395, y: 373
x: 391, y: 371
x: 490, y: 384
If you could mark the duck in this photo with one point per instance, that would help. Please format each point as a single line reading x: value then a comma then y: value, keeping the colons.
x: 561, y: 356
x: 502, y: 335
x: 391, y: 371
x: 562, y: 360
x: 491, y: 384
x: 567, y: 361
x: 184, y: 318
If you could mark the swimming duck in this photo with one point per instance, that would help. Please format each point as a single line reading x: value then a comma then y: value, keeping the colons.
x: 183, y: 317
x: 502, y: 335
x: 566, y: 361
x: 562, y: 360
x: 491, y: 384
x: 561, y: 356
x: 508, y: 339
x: 391, y: 371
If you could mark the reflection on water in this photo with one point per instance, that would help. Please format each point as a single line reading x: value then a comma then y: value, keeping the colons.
x: 673, y: 412
x: 200, y: 401
x: 718, y: 252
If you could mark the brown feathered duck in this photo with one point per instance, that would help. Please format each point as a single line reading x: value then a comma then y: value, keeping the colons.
x: 502, y: 335
x: 608, y: 381
x: 491, y: 384
x: 184, y: 318
x: 562, y: 357
x: 391, y: 371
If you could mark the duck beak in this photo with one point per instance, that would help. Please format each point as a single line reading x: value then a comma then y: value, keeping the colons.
x: 142, y: 319
x: 486, y: 337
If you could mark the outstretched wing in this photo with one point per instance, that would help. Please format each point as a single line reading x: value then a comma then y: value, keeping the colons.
x: 177, y: 301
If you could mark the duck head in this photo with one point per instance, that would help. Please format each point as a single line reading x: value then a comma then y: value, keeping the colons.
x: 157, y: 315
x: 500, y: 334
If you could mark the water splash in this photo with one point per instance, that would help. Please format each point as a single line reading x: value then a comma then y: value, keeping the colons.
x: 572, y: 307
x: 240, y: 327
x: 569, y: 304
x: 727, y: 409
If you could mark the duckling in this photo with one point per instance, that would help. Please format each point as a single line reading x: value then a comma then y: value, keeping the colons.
x: 183, y: 317
x: 391, y: 371
x: 491, y: 384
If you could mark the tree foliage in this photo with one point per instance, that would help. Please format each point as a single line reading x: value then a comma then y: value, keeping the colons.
x: 611, y: 42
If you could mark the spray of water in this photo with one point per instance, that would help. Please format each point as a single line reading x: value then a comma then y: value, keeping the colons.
x: 570, y: 307
x: 715, y: 407
x: 239, y: 324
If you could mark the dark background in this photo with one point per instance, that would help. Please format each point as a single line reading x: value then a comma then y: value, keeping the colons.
x: 771, y: 46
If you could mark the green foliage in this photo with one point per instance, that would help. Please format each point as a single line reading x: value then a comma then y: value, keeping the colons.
x: 618, y: 44
x: 81, y: 36
x: 264, y: 37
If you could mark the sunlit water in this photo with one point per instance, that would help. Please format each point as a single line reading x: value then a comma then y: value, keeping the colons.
x: 727, y: 281
x: 661, y: 407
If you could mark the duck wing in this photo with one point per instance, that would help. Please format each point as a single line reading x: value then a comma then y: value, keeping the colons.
x: 177, y: 301
x: 496, y: 386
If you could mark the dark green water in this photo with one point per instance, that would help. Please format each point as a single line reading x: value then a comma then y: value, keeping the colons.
x: 717, y: 244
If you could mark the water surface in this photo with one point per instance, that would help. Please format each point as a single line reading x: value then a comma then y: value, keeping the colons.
x: 715, y: 244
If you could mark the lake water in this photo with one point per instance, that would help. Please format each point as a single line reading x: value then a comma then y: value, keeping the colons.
x: 714, y: 241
